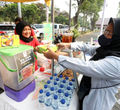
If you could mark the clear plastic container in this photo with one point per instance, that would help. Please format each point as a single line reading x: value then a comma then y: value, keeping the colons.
x: 55, y: 102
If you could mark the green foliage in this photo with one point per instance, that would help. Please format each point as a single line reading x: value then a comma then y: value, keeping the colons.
x: 89, y: 9
x: 32, y: 13
x: 61, y: 17
x: 76, y: 33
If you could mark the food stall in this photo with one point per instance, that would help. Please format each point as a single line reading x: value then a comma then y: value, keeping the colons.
x: 22, y: 85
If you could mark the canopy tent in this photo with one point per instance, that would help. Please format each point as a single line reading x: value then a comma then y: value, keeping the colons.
x: 21, y: 1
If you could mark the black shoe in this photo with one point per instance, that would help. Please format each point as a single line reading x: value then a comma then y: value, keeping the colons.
x: 1, y: 90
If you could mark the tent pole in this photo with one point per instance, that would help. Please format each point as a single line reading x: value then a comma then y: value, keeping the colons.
x: 69, y: 14
x: 19, y: 10
x: 101, y: 29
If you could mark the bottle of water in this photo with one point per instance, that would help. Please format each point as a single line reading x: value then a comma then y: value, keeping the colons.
x: 68, y: 98
x: 73, y: 81
x: 67, y: 80
x: 55, y: 75
x: 51, y: 78
x: 60, y: 94
x: 41, y: 96
x: 62, y: 87
x: 69, y: 90
x: 62, y: 105
x: 45, y: 88
x: 55, y: 102
x: 61, y: 77
x: 64, y: 83
x: 55, y: 85
x: 49, y: 83
x: 41, y: 99
x: 52, y: 90
x: 57, y: 80
x: 71, y: 85
x: 48, y: 99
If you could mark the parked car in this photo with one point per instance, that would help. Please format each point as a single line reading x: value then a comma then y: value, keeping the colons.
x: 39, y: 29
x: 2, y: 33
x: 7, y: 28
x: 60, y: 28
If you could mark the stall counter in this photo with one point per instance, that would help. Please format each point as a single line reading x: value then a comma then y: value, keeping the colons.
x: 29, y: 103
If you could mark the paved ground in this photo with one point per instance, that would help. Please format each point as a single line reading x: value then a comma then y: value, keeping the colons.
x: 87, y: 38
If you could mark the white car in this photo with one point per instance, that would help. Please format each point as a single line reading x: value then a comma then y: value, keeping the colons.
x: 39, y: 28
x: 7, y: 28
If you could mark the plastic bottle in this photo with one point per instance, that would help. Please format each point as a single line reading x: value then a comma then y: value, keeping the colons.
x: 49, y: 83
x: 67, y: 98
x: 41, y: 99
x: 55, y: 103
x: 62, y: 87
x: 60, y: 94
x: 69, y: 90
x: 45, y: 88
x: 48, y: 99
x: 73, y: 81
x: 62, y: 105
x: 67, y: 80
x: 55, y: 85
x: 55, y: 75
x: 52, y: 90
x: 57, y: 80
x: 71, y: 85
x: 41, y: 96
x: 61, y: 77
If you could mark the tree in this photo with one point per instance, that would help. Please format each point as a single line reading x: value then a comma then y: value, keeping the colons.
x: 79, y: 3
x: 61, y: 17
x: 89, y: 9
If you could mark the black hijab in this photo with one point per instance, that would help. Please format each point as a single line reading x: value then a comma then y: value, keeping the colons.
x: 113, y: 49
x: 19, y: 28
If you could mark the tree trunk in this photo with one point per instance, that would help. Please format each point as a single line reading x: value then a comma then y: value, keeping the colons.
x: 79, y: 2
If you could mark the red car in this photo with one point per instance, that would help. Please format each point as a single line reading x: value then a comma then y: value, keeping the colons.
x: 2, y: 32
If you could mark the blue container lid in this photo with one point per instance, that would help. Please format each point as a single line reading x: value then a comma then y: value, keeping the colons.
x: 66, y: 94
x: 66, y: 78
x: 55, y: 97
x: 61, y: 76
x: 45, y: 86
x: 51, y: 78
x: 68, y: 88
x: 70, y: 83
x: 61, y: 85
x: 64, y: 81
x: 41, y: 91
x: 59, y: 91
x: 55, y: 83
x: 62, y: 101
x: 48, y: 82
x: 48, y: 94
x: 57, y: 79
x: 55, y: 74
x: 52, y: 88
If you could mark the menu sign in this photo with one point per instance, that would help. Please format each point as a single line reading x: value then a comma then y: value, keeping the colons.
x: 25, y: 64
x: 48, y: 32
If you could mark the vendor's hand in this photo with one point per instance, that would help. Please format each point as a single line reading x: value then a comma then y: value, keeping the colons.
x: 50, y: 54
x: 63, y: 45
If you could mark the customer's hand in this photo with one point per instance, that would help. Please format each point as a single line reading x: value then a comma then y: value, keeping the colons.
x: 63, y: 45
x: 50, y: 54
x: 36, y: 49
